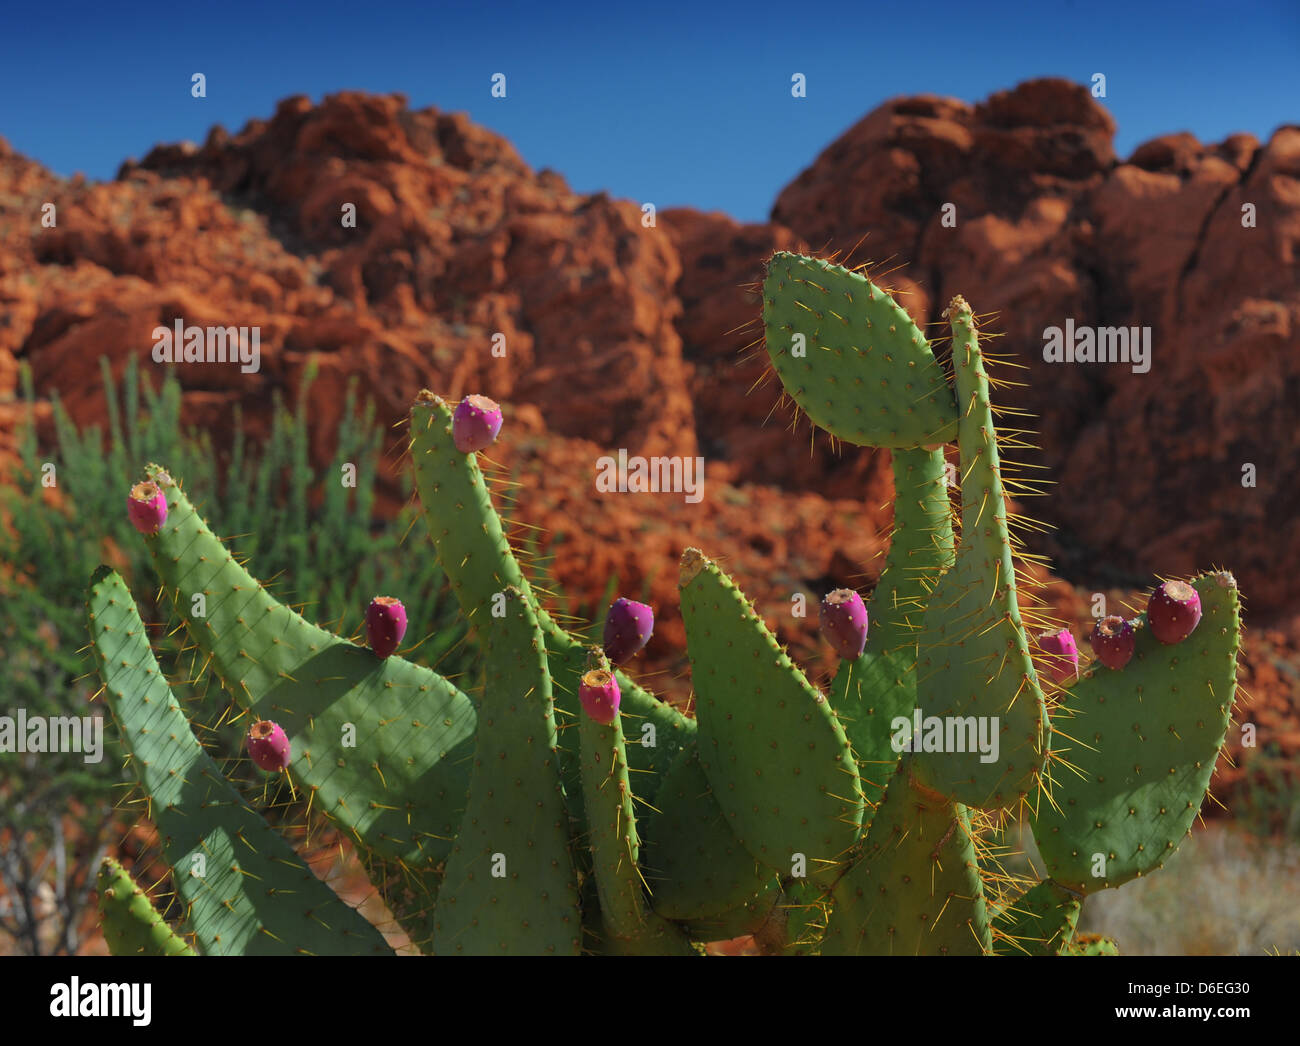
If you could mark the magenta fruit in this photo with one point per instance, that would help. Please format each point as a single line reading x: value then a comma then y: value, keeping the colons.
x: 146, y: 506
x: 628, y: 627
x: 844, y: 623
x: 268, y: 746
x: 1173, y: 611
x: 475, y: 423
x: 1112, y: 641
x: 1061, y: 655
x: 600, y: 696
x: 385, y: 624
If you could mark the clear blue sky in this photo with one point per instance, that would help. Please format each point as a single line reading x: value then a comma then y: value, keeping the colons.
x: 664, y: 102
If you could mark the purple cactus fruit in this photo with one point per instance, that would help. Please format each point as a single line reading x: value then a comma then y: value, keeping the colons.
x: 268, y: 746
x: 844, y: 623
x: 1062, y: 655
x: 600, y: 696
x: 1112, y: 641
x: 1173, y: 611
x: 475, y: 423
x: 628, y: 627
x: 146, y: 506
x: 385, y: 624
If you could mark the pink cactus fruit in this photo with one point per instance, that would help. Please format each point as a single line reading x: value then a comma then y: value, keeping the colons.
x: 475, y: 423
x: 1173, y: 611
x: 385, y: 624
x: 1061, y: 655
x: 1113, y: 640
x: 268, y: 745
x: 599, y: 695
x: 146, y: 507
x: 628, y: 627
x: 844, y: 623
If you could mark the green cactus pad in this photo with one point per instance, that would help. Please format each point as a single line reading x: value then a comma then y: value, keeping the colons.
x: 867, y: 694
x: 131, y: 924
x: 866, y: 373
x: 1144, y: 740
x: 1092, y: 944
x: 916, y: 888
x: 478, y: 561
x: 803, y: 912
x: 696, y: 868
x: 509, y: 887
x: 777, y: 759
x: 630, y: 927
x: 401, y: 788
x: 974, y: 669
x: 466, y: 530
x: 255, y: 895
x: 1040, y: 922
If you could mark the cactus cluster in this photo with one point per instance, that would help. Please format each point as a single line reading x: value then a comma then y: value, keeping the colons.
x: 565, y: 809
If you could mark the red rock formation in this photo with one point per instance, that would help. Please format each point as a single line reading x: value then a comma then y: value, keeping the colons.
x: 456, y: 240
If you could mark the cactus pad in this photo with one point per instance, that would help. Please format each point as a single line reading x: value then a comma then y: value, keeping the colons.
x: 775, y: 755
x: 864, y: 371
x: 1135, y: 749
x: 510, y: 886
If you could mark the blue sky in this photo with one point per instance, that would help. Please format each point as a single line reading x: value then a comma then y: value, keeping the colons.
x: 669, y: 103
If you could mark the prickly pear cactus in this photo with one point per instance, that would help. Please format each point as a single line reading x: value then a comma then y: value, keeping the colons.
x: 132, y: 926
x: 566, y: 809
